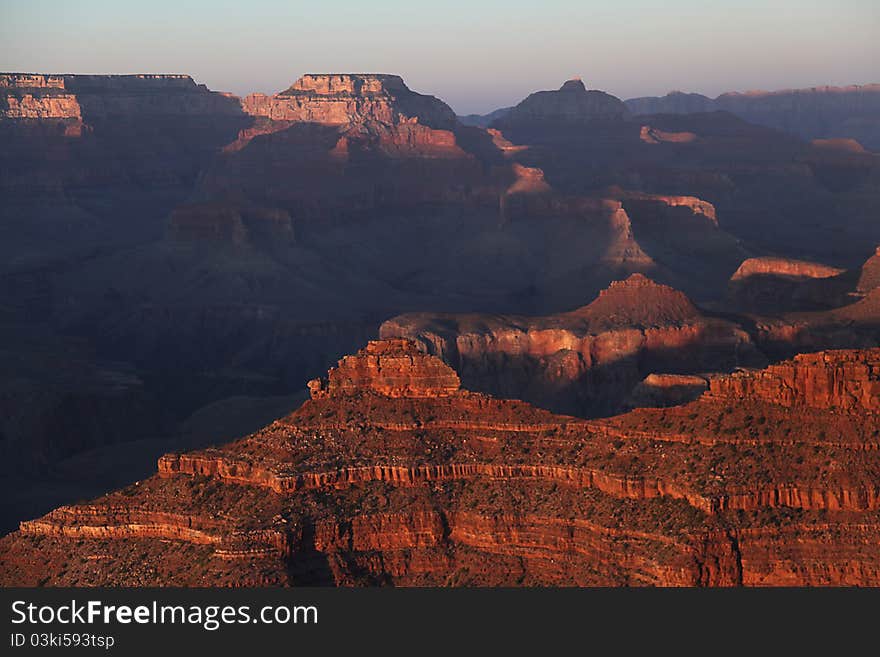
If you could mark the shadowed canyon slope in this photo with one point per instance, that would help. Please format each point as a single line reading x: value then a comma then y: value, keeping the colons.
x: 185, y: 260
x: 392, y: 474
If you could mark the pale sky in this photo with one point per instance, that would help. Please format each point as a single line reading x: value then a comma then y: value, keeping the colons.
x: 476, y: 55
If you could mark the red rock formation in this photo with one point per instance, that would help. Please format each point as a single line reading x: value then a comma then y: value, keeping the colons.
x: 408, y: 480
x: 92, y: 98
x: 35, y: 104
x: 834, y: 380
x: 396, y: 368
x: 350, y: 98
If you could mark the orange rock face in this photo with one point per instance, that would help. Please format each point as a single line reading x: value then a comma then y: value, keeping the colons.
x: 390, y: 474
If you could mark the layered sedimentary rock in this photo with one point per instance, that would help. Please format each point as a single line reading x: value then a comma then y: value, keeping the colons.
x: 586, y: 361
x: 818, y: 112
x: 344, y: 99
x: 846, y: 380
x: 394, y: 368
x: 441, y: 486
x: 95, y: 98
x: 38, y: 104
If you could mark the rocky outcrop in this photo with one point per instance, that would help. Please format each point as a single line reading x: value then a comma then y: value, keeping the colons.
x: 38, y: 104
x: 847, y: 380
x: 343, y: 99
x: 22, y: 105
x: 395, y: 368
x: 379, y: 482
x: 95, y: 98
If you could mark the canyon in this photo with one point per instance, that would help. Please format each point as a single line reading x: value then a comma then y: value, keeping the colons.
x: 618, y: 343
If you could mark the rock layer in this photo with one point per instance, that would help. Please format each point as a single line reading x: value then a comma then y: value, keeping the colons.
x: 396, y: 368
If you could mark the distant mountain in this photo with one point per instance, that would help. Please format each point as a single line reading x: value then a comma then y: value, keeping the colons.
x: 815, y: 113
